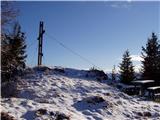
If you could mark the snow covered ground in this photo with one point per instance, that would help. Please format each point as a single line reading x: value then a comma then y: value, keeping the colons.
x: 73, y: 95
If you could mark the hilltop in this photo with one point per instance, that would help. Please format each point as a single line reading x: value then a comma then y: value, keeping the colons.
x: 65, y: 93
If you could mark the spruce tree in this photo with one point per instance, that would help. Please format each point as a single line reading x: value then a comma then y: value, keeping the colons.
x: 13, y: 55
x: 8, y: 15
x: 5, y: 59
x: 151, y: 59
x: 126, y: 69
x: 18, y: 47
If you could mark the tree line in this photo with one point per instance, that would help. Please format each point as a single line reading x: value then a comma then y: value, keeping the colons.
x: 150, y: 64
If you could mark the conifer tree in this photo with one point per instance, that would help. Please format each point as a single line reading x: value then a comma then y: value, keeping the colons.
x: 13, y: 55
x: 18, y: 47
x: 5, y: 59
x: 8, y: 13
x: 151, y: 59
x: 126, y: 69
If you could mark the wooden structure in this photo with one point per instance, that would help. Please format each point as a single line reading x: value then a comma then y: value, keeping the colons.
x: 150, y: 86
x: 154, y: 92
x: 40, y: 39
x: 144, y: 84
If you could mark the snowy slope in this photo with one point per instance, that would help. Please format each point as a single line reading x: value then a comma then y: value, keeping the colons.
x: 73, y: 95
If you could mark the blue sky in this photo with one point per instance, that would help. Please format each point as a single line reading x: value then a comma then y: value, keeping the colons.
x: 99, y: 31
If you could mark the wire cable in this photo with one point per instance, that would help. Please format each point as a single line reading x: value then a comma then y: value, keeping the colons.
x: 72, y: 51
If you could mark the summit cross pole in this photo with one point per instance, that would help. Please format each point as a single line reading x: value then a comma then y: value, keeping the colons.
x: 40, y: 39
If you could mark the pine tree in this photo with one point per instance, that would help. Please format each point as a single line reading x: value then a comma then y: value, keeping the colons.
x: 13, y: 55
x: 18, y: 47
x: 151, y: 59
x: 5, y: 59
x: 126, y: 69
x: 8, y: 15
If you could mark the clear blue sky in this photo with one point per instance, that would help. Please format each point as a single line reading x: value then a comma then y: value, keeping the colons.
x: 99, y: 31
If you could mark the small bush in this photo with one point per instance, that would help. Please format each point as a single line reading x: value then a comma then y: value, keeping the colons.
x: 41, y: 68
x: 98, y: 74
x: 60, y: 70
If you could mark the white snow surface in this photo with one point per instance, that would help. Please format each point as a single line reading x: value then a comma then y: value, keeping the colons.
x: 71, y: 93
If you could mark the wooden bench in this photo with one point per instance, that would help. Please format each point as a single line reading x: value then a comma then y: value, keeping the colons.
x: 154, y: 92
x: 157, y: 96
x: 144, y: 84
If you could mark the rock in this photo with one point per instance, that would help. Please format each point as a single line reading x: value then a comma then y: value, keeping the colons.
x: 95, y: 99
x: 41, y: 112
x: 139, y: 114
x: 107, y: 94
x: 111, y: 104
x: 61, y: 116
x: 147, y: 114
x: 126, y: 114
x: 119, y: 102
x: 6, y: 116
x: 51, y: 113
x: 144, y: 114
